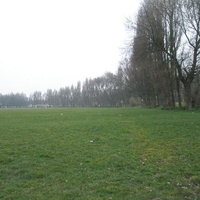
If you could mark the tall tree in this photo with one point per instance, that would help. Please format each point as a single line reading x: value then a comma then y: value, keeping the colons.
x: 166, y: 50
x: 190, y: 58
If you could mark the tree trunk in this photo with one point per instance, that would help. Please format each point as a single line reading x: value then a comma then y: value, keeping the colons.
x: 187, y: 94
x: 178, y: 90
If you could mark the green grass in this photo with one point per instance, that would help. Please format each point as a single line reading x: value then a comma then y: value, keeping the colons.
x: 99, y: 153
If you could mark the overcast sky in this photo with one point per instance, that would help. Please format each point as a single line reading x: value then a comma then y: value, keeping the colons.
x: 48, y: 44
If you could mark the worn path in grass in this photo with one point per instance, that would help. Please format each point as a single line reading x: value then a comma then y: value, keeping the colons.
x: 98, y: 153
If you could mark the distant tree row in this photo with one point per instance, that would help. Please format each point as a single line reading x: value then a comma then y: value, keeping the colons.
x: 101, y: 91
x: 13, y: 100
x: 105, y: 91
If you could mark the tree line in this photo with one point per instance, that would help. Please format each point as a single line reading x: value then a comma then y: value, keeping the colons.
x: 161, y: 68
x: 164, y: 64
x: 105, y: 91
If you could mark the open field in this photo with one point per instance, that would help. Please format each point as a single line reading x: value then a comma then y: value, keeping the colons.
x: 99, y: 153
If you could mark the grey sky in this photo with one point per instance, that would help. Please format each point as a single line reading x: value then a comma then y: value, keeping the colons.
x: 55, y: 43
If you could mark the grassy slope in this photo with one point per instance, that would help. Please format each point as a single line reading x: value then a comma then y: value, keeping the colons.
x: 116, y: 153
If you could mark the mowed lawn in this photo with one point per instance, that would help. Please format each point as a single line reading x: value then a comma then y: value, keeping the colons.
x: 99, y: 153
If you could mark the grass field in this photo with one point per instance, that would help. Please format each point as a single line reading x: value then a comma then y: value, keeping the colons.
x: 99, y: 153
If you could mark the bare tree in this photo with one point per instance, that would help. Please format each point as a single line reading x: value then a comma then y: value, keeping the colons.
x: 166, y: 51
x: 188, y: 65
